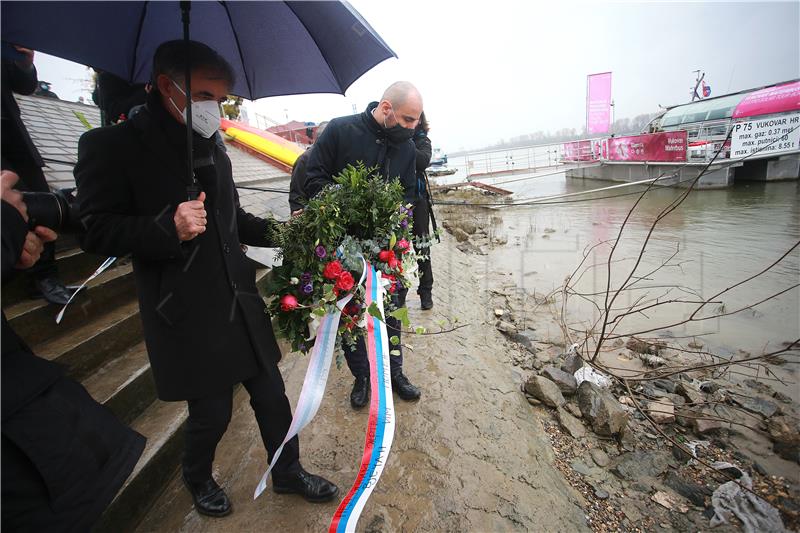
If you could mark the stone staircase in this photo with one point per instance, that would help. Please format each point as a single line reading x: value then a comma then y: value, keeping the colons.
x: 100, y: 341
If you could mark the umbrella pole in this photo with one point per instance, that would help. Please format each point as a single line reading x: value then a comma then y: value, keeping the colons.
x: 192, y: 191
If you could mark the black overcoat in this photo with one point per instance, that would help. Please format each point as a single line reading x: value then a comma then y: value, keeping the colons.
x: 205, y: 324
x: 64, y: 456
x: 348, y: 140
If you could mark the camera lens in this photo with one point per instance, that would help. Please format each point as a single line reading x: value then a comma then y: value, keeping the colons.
x: 55, y: 210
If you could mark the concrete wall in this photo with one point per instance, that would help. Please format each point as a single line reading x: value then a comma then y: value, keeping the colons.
x: 782, y: 168
x: 718, y: 176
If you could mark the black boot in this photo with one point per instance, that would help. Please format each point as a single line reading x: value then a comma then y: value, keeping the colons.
x: 426, y: 300
x: 209, y: 498
x: 404, y: 388
x: 313, y: 488
x: 360, y: 393
x: 52, y: 290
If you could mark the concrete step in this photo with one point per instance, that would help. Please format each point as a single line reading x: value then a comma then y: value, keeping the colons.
x: 94, y: 342
x: 125, y: 384
x: 34, y: 320
x: 162, y: 423
x: 74, y: 266
x: 66, y: 241
x: 239, y: 463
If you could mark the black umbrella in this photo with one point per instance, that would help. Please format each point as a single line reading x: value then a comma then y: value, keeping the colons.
x: 275, y: 48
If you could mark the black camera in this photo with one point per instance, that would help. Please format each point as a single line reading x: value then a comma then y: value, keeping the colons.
x: 56, y: 210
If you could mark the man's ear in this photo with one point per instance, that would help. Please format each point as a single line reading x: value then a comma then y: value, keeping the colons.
x: 164, y: 84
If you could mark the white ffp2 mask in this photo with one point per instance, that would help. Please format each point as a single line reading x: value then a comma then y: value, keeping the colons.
x: 205, y: 115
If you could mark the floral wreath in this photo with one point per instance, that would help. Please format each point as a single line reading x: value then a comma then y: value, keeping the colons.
x: 361, y: 217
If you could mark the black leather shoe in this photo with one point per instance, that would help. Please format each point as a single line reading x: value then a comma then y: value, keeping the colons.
x: 52, y: 290
x: 209, y: 498
x: 426, y: 300
x: 404, y: 388
x: 313, y: 488
x: 360, y: 393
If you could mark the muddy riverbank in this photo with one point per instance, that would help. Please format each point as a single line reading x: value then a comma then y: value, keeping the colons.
x: 480, y: 451
x: 635, y: 475
x: 471, y: 455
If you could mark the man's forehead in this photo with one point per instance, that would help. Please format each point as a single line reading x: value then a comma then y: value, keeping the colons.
x: 410, y: 109
x: 210, y: 84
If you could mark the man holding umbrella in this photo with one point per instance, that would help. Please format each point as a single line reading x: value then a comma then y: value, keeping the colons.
x: 205, y: 325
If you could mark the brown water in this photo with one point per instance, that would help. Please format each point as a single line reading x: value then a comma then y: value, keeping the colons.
x: 721, y: 237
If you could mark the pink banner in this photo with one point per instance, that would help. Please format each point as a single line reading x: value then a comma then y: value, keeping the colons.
x: 598, y: 103
x: 776, y: 99
x: 668, y: 146
x: 578, y: 151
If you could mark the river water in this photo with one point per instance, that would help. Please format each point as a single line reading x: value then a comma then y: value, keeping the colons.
x: 720, y: 238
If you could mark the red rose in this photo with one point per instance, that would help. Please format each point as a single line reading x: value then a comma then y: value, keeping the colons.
x: 332, y: 270
x: 345, y: 281
x: 403, y: 245
x: 385, y: 256
x: 288, y: 303
x: 393, y: 263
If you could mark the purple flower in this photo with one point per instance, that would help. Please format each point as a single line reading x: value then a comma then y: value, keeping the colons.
x: 308, y: 288
x: 404, y: 223
x: 320, y: 251
x: 305, y: 278
x: 302, y: 347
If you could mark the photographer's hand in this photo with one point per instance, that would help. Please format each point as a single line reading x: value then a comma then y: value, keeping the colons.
x: 7, y: 181
x: 34, y: 244
x: 190, y: 218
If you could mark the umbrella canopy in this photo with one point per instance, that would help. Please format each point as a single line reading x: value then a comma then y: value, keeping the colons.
x: 275, y: 48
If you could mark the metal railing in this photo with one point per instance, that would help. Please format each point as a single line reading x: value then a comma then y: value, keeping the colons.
x: 513, y: 160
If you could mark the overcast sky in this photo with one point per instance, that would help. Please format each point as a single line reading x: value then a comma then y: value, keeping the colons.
x: 493, y: 70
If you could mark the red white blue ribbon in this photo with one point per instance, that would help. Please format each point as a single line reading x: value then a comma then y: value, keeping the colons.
x: 316, y: 378
x: 380, y: 428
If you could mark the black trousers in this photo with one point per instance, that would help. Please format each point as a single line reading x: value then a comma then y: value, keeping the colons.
x: 357, y: 360
x: 422, y: 218
x: 209, y: 418
x: 64, y: 457
x: 31, y: 179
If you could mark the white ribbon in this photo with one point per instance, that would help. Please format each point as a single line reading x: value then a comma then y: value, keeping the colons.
x: 102, y: 268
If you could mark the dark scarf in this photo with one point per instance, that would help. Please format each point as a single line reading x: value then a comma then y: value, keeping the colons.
x: 174, y: 134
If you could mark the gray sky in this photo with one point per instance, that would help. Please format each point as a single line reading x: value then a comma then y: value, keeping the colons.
x: 494, y: 70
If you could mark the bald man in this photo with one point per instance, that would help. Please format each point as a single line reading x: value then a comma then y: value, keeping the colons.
x: 379, y: 137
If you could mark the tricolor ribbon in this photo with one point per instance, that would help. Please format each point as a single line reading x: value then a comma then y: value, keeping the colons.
x: 316, y: 378
x: 380, y: 428
x: 319, y: 365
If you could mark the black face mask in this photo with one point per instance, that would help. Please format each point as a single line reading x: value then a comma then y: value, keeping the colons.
x: 397, y: 134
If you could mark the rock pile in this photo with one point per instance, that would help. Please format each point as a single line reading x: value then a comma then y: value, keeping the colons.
x: 694, y: 412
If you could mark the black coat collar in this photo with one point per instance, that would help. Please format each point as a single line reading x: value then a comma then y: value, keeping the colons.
x: 370, y: 123
x: 167, y: 138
